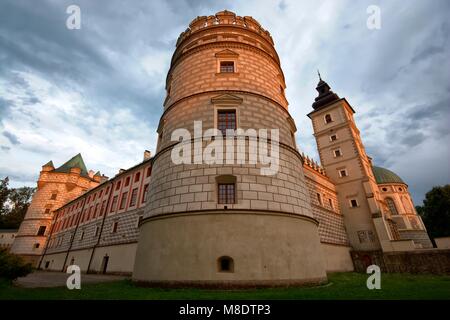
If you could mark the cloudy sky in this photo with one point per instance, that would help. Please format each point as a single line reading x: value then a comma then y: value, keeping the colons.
x: 99, y: 90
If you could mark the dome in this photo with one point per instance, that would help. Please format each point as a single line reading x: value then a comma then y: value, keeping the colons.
x: 383, y: 175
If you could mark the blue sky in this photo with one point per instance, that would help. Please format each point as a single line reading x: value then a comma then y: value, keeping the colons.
x: 99, y: 90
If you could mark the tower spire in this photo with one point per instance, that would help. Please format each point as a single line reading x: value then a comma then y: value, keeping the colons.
x: 326, y: 95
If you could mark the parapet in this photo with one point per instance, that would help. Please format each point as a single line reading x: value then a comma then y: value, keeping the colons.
x: 307, y: 161
x: 225, y: 18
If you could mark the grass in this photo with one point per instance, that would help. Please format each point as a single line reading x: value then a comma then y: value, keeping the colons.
x: 341, y: 286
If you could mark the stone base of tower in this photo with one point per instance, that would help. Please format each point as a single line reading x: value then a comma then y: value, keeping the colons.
x: 264, y: 248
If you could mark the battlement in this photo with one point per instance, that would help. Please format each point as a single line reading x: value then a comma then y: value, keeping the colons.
x: 225, y: 18
x: 307, y: 161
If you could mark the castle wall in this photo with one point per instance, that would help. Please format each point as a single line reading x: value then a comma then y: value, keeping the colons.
x: 54, y: 190
x: 267, y: 249
x: 337, y: 257
x: 84, y: 227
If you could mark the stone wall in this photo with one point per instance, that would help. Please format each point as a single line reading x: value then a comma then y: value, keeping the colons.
x: 421, y: 261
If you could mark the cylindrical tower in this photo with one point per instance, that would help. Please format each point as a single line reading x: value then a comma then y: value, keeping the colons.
x: 227, y: 223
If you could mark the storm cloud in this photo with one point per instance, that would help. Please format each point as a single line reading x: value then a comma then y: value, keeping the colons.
x: 99, y: 90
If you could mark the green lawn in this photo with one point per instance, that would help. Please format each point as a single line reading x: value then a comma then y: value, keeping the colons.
x: 341, y: 286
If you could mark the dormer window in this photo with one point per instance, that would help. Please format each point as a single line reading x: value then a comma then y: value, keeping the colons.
x: 226, y: 66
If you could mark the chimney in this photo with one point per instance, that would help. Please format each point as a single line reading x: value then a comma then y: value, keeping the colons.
x: 147, y: 155
x: 91, y: 174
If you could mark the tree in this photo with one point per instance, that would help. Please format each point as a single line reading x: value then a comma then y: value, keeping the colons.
x: 13, y: 204
x: 435, y: 211
x: 4, y: 192
x: 13, y: 266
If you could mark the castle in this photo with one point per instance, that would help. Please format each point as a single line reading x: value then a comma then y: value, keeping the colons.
x: 209, y: 223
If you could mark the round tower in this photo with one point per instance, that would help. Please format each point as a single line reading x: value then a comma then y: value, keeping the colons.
x: 55, y: 187
x: 217, y: 216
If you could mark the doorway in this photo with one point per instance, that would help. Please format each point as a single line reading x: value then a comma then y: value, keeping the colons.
x: 104, y: 264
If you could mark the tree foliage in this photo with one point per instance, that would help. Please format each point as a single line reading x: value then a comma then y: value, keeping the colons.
x: 435, y: 211
x: 13, y: 266
x: 14, y: 203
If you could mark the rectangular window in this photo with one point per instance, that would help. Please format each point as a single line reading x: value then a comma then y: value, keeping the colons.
x: 144, y: 194
x: 97, y: 229
x: 226, y: 66
x: 41, y: 230
x: 337, y: 153
x: 102, y: 210
x: 226, y: 119
x: 96, y: 209
x: 343, y: 173
x: 333, y: 137
x: 353, y: 203
x: 53, y: 197
x: 149, y: 171
x: 319, y: 198
x: 118, y: 186
x: 114, y: 226
x: 134, y: 195
x: 331, y: 203
x: 137, y: 177
x: 123, y: 200
x: 47, y: 211
x: 127, y: 181
x: 226, y: 193
x: 114, y: 204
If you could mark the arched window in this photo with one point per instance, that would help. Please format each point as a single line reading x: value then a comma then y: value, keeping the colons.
x: 328, y: 118
x: 225, y: 264
x: 391, y: 205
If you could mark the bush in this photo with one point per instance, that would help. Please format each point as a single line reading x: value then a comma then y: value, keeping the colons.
x: 12, y: 266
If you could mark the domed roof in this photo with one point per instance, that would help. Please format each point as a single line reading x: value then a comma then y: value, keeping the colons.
x: 383, y: 175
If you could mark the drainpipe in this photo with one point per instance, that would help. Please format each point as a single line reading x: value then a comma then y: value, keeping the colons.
x: 111, y: 191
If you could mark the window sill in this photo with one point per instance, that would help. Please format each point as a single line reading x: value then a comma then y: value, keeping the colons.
x: 227, y: 74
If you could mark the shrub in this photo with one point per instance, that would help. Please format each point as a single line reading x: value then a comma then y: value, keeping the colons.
x: 12, y: 266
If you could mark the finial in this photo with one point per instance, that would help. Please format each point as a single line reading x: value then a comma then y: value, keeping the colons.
x: 320, y: 78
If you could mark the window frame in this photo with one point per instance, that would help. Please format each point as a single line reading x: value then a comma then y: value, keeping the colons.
x: 231, y: 62
x: 350, y: 201
x: 340, y: 173
x: 226, y: 184
x: 339, y: 151
x: 225, y: 110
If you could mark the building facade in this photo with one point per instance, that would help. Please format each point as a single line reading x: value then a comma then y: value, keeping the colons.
x: 203, y: 221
